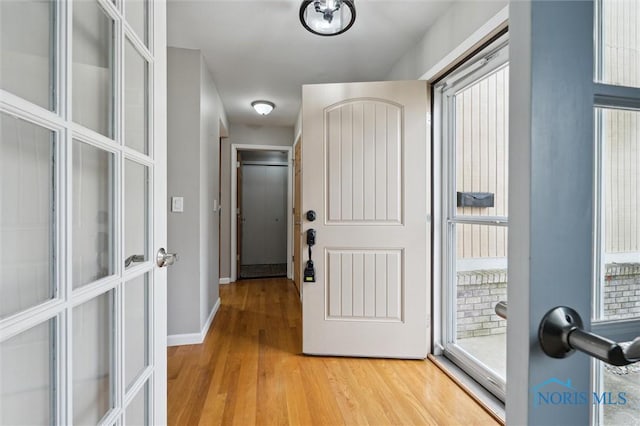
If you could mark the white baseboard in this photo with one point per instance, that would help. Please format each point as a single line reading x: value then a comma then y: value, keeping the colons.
x: 194, y: 338
x: 207, y: 324
x: 225, y: 280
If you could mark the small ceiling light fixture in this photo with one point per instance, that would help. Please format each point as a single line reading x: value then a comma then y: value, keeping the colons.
x: 327, y: 17
x: 263, y: 107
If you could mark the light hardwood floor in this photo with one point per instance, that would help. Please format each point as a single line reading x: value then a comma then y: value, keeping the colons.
x: 250, y: 371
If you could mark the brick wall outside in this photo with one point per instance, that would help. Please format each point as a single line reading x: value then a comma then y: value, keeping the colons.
x: 622, y: 290
x: 479, y: 291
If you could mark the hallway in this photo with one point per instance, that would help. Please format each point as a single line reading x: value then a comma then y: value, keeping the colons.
x: 249, y: 371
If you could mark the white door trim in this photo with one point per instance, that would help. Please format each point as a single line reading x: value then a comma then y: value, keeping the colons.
x: 297, y: 140
x: 490, y: 28
x: 158, y: 384
x: 234, y: 201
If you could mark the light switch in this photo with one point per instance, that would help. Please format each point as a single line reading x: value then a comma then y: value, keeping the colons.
x: 177, y: 204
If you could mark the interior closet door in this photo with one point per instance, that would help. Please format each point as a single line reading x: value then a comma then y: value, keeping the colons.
x: 264, y: 208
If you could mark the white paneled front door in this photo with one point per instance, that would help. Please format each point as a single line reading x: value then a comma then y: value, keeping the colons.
x: 366, y: 175
x: 82, y: 212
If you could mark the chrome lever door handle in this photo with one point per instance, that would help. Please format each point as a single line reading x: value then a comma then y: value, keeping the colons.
x: 632, y: 351
x: 165, y: 259
x: 560, y: 334
x: 134, y: 258
x: 501, y: 309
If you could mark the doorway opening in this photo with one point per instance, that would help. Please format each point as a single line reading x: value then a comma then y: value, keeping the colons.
x: 472, y: 126
x: 262, y: 225
x: 261, y: 201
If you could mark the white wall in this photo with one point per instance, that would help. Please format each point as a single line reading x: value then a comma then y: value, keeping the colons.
x: 183, y: 172
x: 211, y: 114
x: 250, y: 135
x: 462, y: 20
x: 194, y: 115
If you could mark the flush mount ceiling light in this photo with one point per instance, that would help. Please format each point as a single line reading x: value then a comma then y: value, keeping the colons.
x: 327, y: 17
x: 263, y: 107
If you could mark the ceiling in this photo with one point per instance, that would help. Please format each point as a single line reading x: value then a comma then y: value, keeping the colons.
x: 259, y: 49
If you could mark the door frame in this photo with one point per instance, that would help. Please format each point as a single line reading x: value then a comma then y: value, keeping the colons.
x: 237, y: 254
x: 158, y: 117
x: 488, y: 58
x: 490, y: 31
x: 296, y: 261
x: 456, y: 58
x: 234, y: 201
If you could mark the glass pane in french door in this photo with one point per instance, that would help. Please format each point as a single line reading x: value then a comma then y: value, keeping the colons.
x: 616, y: 311
x: 93, y: 213
x: 28, y: 385
x: 27, y: 40
x: 93, y: 67
x: 136, y: 211
x: 136, y: 328
x: 136, y: 13
x: 93, y: 359
x: 620, y: 42
x: 137, y: 412
x: 28, y: 214
x: 136, y: 99
x: 619, y: 281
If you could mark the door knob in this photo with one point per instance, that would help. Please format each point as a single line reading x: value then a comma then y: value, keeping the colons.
x: 165, y: 259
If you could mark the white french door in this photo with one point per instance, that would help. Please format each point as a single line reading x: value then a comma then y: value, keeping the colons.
x: 574, y: 184
x: 82, y: 212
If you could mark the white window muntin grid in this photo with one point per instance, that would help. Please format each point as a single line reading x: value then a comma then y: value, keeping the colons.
x: 59, y: 121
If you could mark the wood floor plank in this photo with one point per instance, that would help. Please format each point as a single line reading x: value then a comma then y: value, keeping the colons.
x: 250, y: 370
x: 298, y: 410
